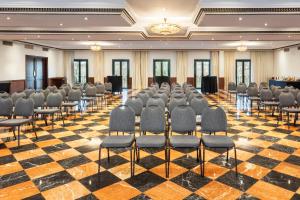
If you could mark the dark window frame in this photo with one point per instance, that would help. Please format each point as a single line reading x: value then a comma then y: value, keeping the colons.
x: 128, y: 69
x: 201, y: 60
x: 161, y: 61
x: 243, y: 70
x: 87, y: 68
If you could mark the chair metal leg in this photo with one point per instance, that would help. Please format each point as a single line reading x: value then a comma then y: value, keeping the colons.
x: 169, y: 158
x: 18, y: 136
x: 131, y: 167
x: 227, y: 156
x: 108, y: 159
x: 288, y: 119
x: 203, y: 164
x: 14, y: 132
x: 133, y: 162
x: 33, y: 128
x: 235, y: 158
x: 52, y: 116
x: 200, y: 154
x: 197, y: 154
x: 99, y: 159
x: 62, y: 117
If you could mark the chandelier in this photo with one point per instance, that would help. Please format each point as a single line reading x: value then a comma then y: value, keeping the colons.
x: 95, y: 47
x: 165, y: 28
x: 242, y: 47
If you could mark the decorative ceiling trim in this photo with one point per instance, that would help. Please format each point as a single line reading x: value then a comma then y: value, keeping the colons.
x: 231, y: 11
x: 78, y: 11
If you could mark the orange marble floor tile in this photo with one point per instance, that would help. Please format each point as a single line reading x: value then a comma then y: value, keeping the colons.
x: 77, y: 143
x: 47, y: 143
x: 296, y: 133
x: 253, y: 170
x: 260, y: 143
x: 29, y: 154
x: 173, y: 154
x: 249, y: 134
x: 91, y: 134
x: 168, y: 191
x: 297, y: 152
x: 266, y: 128
x: 60, y: 155
x: 277, y: 155
x: 98, y: 128
x: 241, y: 155
x: 49, y: 127
x: 43, y: 170
x: 123, y: 171
x: 175, y: 170
x: 84, y: 170
x: 5, y: 152
x: 63, y: 134
x: 212, y: 171
x: 264, y: 190
x: 241, y: 128
x: 73, y: 190
x: 94, y: 155
x: 19, y: 191
x: 120, y: 191
x: 218, y: 191
x: 14, y: 143
x: 290, y: 143
x: 77, y: 127
x: 10, y: 168
x: 275, y: 134
x: 288, y: 168
x: 126, y: 154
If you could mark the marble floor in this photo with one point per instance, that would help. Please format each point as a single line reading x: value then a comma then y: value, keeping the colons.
x: 62, y: 163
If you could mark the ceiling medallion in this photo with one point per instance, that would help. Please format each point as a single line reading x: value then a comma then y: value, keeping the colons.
x: 95, y: 47
x: 242, y: 47
x: 165, y: 28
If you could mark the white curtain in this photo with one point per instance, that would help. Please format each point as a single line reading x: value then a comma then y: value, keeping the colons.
x: 229, y: 67
x: 68, y: 66
x: 262, y: 64
x: 214, y: 56
x: 140, y: 75
x: 98, y: 65
x: 181, y: 66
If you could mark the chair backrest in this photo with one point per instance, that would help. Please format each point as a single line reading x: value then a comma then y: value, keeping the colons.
x: 4, y: 95
x: 295, y: 92
x: 153, y: 119
x: 231, y: 86
x: 183, y: 119
x: 136, y: 104
x: 276, y: 92
x: 74, y: 95
x: 298, y: 98
x: 178, y: 94
x: 46, y: 93
x: 144, y: 96
x: 24, y: 107
x: 163, y: 96
x: 176, y: 102
x: 100, y: 89
x: 122, y: 118
x: 54, y: 100
x: 241, y: 88
x: 108, y: 86
x: 194, y: 95
x: 252, y: 84
x: 156, y: 101
x: 90, y: 91
x: 266, y: 95
x: 252, y: 91
x: 28, y: 92
x: 63, y: 93
x: 263, y: 85
x: 286, y: 99
x: 214, y: 120
x: 199, y: 105
x: 67, y: 89
x: 52, y: 88
x: 17, y: 95
x: 6, y: 105
x: 38, y: 99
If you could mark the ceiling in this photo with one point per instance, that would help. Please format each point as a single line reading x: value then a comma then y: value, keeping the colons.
x: 124, y: 24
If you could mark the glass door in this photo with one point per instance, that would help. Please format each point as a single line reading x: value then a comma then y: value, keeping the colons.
x: 121, y: 68
x: 243, y: 71
x: 161, y: 67
x: 80, y: 71
x: 201, y: 68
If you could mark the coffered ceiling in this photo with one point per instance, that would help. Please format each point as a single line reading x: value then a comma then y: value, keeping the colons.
x: 124, y: 24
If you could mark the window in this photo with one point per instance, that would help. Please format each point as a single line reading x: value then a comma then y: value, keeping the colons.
x: 81, y: 71
x: 201, y: 68
x: 243, y: 71
x: 161, y: 67
x: 120, y: 67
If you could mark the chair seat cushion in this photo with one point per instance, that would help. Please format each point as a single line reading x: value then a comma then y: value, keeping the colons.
x: 291, y: 110
x: 151, y: 141
x: 99, y: 95
x: 184, y: 141
x: 14, y: 122
x: 46, y: 111
x: 254, y: 98
x: 198, y: 119
x: 217, y: 141
x: 271, y: 103
x: 87, y: 98
x: 117, y: 141
x: 69, y: 104
x: 232, y: 91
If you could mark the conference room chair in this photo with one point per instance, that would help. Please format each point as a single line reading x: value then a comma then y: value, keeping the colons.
x: 199, y: 105
x: 73, y: 101
x: 287, y: 104
x: 253, y: 96
x: 231, y: 89
x: 17, y: 95
x: 263, y: 85
x: 144, y: 97
x: 90, y: 97
x: 52, y: 88
x: 267, y: 100
x: 100, y: 94
x: 6, y: 111
x: 4, y: 95
x: 28, y: 92
x: 136, y: 104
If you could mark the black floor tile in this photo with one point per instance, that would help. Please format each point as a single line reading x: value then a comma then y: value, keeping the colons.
x: 293, y: 159
x: 74, y: 161
x: 293, y: 138
x: 55, y: 148
x: 7, y: 159
x: 70, y: 138
x: 87, y: 148
x: 268, y: 138
x: 13, y: 179
x: 250, y: 148
x: 22, y: 148
x: 193, y: 196
x: 35, y: 197
x: 33, y: 162
x: 264, y: 161
x: 114, y: 161
x: 141, y: 197
x: 186, y: 162
x: 151, y: 161
x: 221, y: 161
x: 88, y: 197
x: 282, y: 148
x: 283, y: 180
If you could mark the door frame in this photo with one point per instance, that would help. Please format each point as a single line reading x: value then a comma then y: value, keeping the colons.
x: 162, y: 60
x: 87, y: 69
x: 45, y: 69
x: 128, y: 69
x: 243, y: 70
x: 201, y: 60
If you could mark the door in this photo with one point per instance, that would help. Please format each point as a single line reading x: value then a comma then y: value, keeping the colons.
x: 120, y: 67
x: 201, y: 68
x: 36, y: 72
x: 81, y: 71
x: 243, y: 71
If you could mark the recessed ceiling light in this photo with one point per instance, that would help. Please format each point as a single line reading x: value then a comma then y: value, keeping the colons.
x: 8, y: 18
x: 61, y: 24
x: 240, y: 18
x: 241, y: 36
x: 257, y: 38
x: 89, y: 36
x: 73, y: 39
x: 266, y: 24
x: 38, y: 36
x: 289, y: 36
x: 212, y: 38
x: 86, y: 18
x: 119, y: 38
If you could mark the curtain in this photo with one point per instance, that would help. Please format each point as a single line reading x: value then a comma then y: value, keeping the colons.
x: 262, y: 64
x: 214, y: 56
x: 68, y: 66
x: 140, y: 75
x: 98, y: 64
x: 229, y: 67
x: 181, y: 66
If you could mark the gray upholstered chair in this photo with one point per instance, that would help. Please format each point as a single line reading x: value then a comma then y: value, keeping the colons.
x: 24, y: 108
x: 108, y: 91
x: 253, y: 96
x: 183, y: 122
x: 136, y: 104
x: 38, y: 99
x: 231, y: 89
x: 199, y: 105
x: 100, y: 94
x: 163, y: 96
x: 53, y: 106
x: 267, y: 100
x: 287, y: 104
x: 28, y: 92
x: 253, y: 84
x: 144, y: 96
x: 74, y: 100
x: 122, y: 119
x: 156, y: 101
x: 215, y: 120
x: 90, y: 96
x: 153, y: 121
x: 17, y: 95
x: 4, y: 95
x: 263, y: 85
x: 194, y: 95
x: 6, y: 105
x: 46, y: 93
x: 52, y: 88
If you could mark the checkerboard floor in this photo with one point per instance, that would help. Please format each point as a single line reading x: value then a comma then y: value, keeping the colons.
x: 62, y: 163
